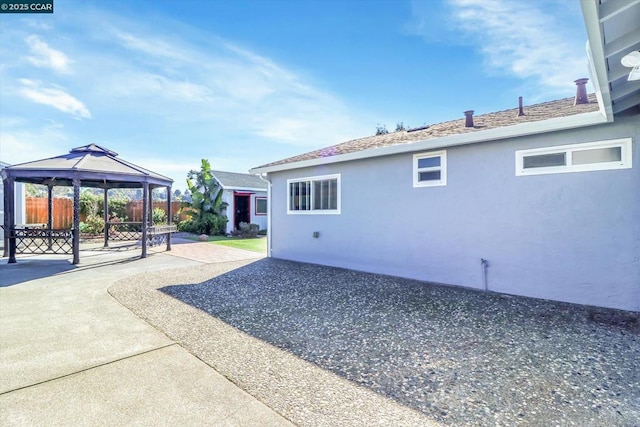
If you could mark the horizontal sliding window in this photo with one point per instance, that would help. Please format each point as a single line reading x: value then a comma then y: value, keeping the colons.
x: 590, y: 156
x: 430, y: 169
x: 315, y: 195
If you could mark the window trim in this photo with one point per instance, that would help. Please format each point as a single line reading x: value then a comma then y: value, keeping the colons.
x: 311, y: 179
x: 442, y: 168
x: 255, y: 209
x: 624, y: 163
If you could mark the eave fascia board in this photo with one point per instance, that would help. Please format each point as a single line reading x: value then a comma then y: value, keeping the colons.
x: 233, y: 188
x: 596, y: 57
x: 519, y: 130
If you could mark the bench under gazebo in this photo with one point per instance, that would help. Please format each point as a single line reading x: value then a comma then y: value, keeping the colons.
x: 88, y: 166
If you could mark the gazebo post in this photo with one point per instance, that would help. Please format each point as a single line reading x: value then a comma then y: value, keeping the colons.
x: 169, y: 216
x: 145, y: 217
x: 150, y: 207
x: 105, y: 209
x: 49, y: 212
x: 76, y: 221
x: 8, y: 214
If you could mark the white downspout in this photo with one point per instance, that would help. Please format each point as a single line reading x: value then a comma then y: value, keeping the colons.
x: 265, y: 176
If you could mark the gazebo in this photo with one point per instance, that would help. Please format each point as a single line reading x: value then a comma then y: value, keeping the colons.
x: 87, y: 166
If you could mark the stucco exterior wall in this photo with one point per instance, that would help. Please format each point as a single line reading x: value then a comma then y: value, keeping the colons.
x: 261, y: 220
x: 571, y: 237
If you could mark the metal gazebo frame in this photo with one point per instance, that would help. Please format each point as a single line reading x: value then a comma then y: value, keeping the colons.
x: 86, y: 166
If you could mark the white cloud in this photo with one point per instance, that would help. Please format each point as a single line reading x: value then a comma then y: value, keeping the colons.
x: 535, y: 41
x: 219, y: 85
x: 20, y: 145
x: 165, y: 87
x: 53, y: 96
x: 45, y: 56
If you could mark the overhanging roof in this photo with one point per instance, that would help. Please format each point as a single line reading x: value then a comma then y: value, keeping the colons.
x: 545, y: 117
x: 94, y: 165
x: 613, y: 29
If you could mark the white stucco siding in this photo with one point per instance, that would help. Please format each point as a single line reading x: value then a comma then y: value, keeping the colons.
x: 570, y: 237
x: 228, y: 197
x: 256, y: 218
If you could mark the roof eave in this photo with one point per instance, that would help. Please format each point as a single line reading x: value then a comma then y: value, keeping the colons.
x: 522, y: 129
x: 240, y: 188
x: 596, y: 56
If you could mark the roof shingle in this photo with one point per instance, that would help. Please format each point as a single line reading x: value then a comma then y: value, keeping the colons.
x: 233, y: 180
x: 533, y: 113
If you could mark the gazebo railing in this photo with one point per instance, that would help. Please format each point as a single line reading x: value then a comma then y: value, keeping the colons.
x: 34, y: 239
x: 42, y: 241
x: 158, y: 234
x: 124, y: 230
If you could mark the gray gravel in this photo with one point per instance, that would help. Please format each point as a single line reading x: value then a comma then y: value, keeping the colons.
x: 453, y: 355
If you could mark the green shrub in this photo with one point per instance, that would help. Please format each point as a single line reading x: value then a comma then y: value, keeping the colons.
x: 209, y: 224
x: 89, y: 203
x: 159, y: 216
x: 92, y: 225
x: 118, y: 208
x: 246, y: 230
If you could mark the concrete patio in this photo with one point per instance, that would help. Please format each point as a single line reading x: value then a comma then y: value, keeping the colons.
x: 72, y: 355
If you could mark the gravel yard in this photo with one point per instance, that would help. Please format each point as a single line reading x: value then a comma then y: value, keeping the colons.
x: 453, y: 355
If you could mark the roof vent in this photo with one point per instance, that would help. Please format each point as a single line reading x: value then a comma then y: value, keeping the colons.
x: 581, y: 91
x: 418, y: 128
x: 468, y: 123
x: 520, y: 109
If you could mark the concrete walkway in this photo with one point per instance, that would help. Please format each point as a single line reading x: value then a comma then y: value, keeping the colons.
x: 71, y: 355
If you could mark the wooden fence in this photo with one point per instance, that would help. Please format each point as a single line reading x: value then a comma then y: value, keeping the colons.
x: 134, y: 209
x: 36, y: 211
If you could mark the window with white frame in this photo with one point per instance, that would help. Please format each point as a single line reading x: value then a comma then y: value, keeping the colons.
x: 314, y: 195
x: 261, y: 206
x: 589, y: 156
x: 430, y: 169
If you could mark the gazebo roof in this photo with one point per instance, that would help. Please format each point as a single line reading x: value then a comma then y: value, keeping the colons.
x: 94, y: 165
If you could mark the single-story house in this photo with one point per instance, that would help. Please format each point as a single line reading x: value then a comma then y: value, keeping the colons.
x: 246, y: 198
x: 20, y: 205
x: 540, y: 201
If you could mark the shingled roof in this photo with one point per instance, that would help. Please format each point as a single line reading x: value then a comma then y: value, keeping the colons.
x: 93, y: 164
x: 237, y: 181
x: 533, y: 113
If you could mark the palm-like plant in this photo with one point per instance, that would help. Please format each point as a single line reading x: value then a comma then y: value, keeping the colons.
x: 206, y: 193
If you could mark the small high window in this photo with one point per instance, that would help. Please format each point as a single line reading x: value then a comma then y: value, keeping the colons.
x: 261, y: 205
x: 590, y: 156
x: 315, y: 195
x: 430, y: 169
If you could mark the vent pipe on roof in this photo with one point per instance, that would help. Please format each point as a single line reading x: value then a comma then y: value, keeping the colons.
x: 520, y: 109
x: 581, y: 91
x: 468, y: 123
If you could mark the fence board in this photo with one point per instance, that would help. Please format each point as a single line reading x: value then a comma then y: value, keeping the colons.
x: 36, y: 211
x: 134, y: 209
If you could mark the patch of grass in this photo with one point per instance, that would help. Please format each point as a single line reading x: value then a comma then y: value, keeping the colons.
x: 254, y: 245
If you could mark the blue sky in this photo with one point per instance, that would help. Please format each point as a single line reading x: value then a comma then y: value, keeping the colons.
x: 167, y: 82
